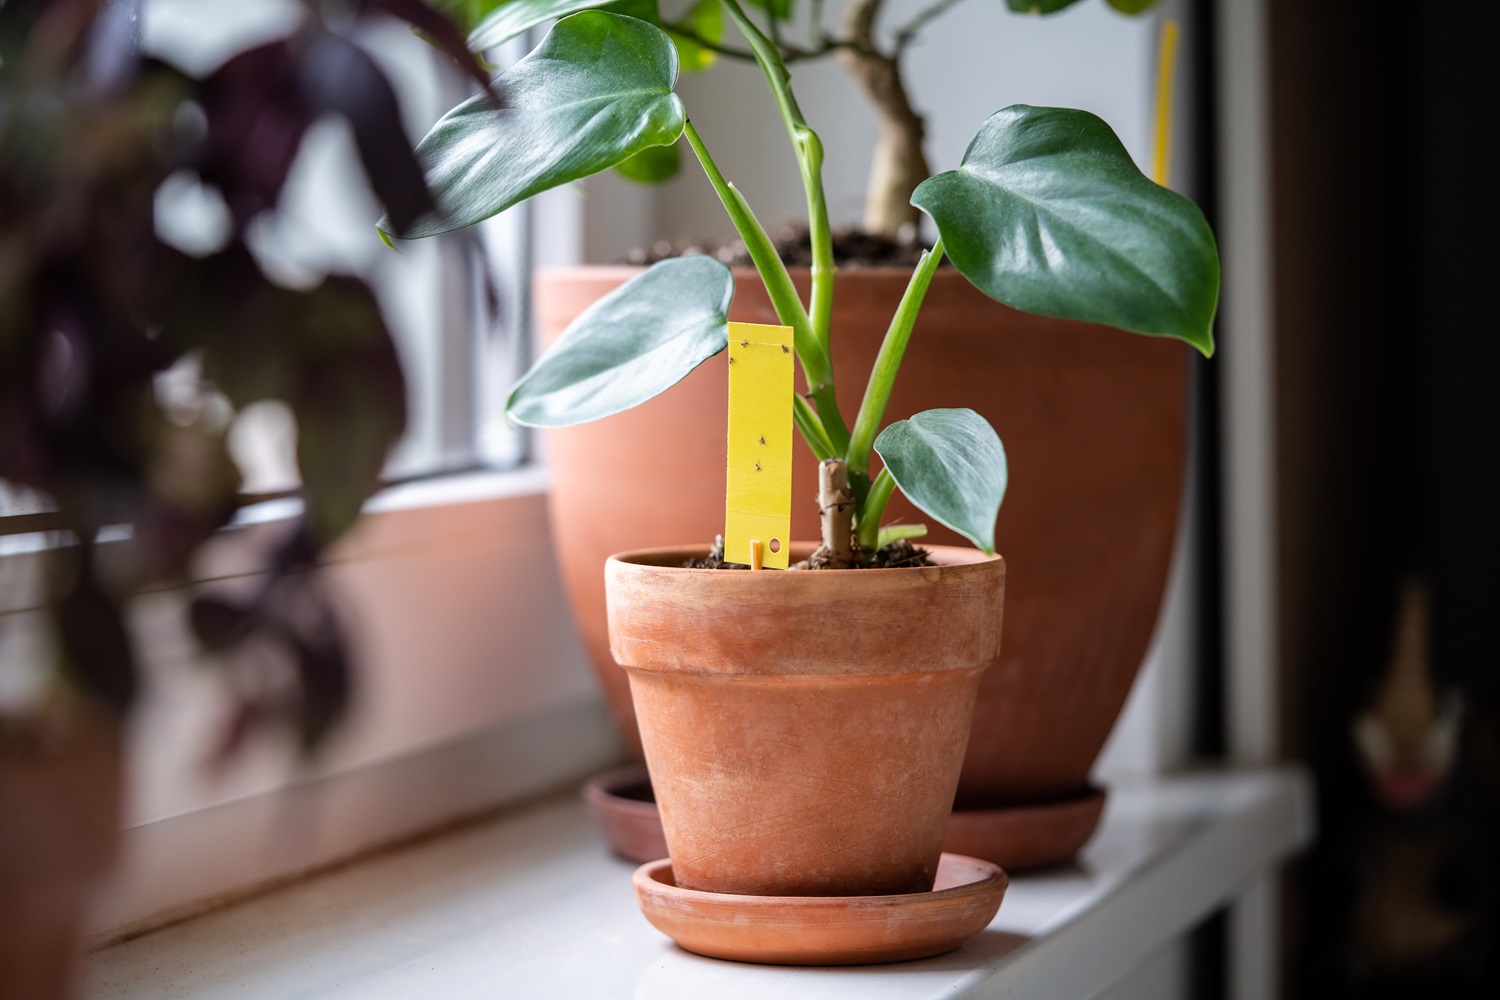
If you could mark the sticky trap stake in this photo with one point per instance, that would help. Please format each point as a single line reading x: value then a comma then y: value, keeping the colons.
x: 757, y: 554
x: 758, y: 497
x: 1166, y: 71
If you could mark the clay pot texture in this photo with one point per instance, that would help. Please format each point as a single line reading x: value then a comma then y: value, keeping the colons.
x: 1094, y: 425
x: 804, y: 729
x: 60, y: 796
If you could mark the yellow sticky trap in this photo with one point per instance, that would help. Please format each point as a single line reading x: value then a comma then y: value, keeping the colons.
x: 1166, y: 69
x: 758, y: 504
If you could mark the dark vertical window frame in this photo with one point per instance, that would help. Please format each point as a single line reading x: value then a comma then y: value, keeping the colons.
x: 1208, y: 945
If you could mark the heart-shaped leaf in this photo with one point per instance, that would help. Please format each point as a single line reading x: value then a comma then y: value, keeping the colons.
x: 950, y: 463
x: 633, y: 344
x: 516, y: 16
x: 1048, y: 214
x: 597, y: 91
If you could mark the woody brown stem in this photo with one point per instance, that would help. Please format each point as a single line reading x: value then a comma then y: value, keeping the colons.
x: 836, y: 509
x: 898, y: 164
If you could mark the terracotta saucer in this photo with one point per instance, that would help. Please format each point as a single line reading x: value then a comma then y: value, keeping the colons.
x: 625, y: 810
x: 825, y: 930
x: 1027, y: 836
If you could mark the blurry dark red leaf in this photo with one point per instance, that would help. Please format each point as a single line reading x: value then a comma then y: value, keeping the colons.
x: 256, y: 116
x: 350, y: 402
x: 338, y: 77
x: 219, y: 624
x: 439, y: 29
x: 113, y: 50
x: 307, y: 623
x: 95, y: 646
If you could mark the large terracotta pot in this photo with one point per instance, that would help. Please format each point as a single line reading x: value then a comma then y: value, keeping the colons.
x: 804, y: 730
x: 60, y: 792
x: 1093, y: 422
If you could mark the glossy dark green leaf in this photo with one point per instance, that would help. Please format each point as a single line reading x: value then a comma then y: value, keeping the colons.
x: 597, y: 91
x: 652, y: 165
x: 1132, y: 6
x: 1048, y: 214
x: 950, y: 463
x: 510, y: 19
x: 704, y: 21
x: 633, y: 344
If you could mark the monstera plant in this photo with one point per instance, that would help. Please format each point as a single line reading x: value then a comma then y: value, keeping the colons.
x: 1046, y: 213
x: 871, y: 53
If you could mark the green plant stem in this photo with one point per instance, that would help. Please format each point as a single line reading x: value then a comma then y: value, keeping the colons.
x: 888, y: 362
x: 867, y: 528
x: 773, y: 273
x: 806, y: 419
x: 809, y: 150
x: 811, y: 352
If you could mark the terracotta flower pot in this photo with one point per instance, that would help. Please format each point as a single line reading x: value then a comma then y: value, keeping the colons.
x: 60, y: 791
x: 1094, y: 424
x: 804, y: 730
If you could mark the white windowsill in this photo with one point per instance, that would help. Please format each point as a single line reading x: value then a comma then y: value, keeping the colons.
x: 530, y: 905
x: 474, y: 691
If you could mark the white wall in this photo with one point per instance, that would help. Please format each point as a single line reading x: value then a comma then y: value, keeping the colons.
x: 968, y: 64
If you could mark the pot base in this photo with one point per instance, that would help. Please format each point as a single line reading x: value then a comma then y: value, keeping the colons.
x: 1016, y: 838
x: 1021, y: 837
x: 825, y: 930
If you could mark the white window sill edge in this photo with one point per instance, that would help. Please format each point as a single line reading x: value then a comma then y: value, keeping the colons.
x: 531, y: 904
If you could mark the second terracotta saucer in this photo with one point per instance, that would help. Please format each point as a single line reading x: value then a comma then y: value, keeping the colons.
x: 825, y: 930
x: 1018, y: 838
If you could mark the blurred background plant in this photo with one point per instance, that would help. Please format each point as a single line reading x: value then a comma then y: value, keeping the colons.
x: 125, y: 359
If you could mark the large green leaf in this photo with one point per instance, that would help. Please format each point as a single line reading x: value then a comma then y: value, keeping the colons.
x: 633, y: 344
x: 1048, y: 214
x: 597, y: 91
x: 513, y: 17
x: 950, y: 463
x: 1132, y: 6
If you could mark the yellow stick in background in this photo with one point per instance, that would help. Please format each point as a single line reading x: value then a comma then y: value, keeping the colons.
x: 758, y: 497
x: 1166, y: 69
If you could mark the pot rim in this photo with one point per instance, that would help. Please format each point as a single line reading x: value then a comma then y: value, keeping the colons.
x: 669, y: 558
x: 906, y: 621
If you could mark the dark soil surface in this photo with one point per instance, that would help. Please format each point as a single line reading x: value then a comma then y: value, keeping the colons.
x: 897, y: 555
x: 852, y: 248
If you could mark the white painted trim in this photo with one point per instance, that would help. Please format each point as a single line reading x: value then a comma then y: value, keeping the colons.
x: 1248, y: 368
x: 1248, y: 444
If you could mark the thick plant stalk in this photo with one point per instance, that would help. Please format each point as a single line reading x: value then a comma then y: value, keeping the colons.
x: 899, y: 163
x: 836, y: 509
